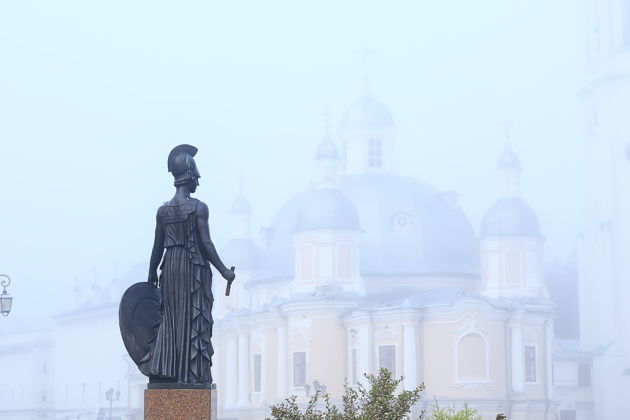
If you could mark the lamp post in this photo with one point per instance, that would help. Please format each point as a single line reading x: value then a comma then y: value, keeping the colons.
x: 109, y: 394
x: 5, y: 299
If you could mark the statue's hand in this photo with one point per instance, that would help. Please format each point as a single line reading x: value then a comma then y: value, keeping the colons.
x: 153, y: 278
x: 228, y: 274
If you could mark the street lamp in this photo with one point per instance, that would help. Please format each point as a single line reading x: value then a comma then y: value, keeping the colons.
x: 109, y: 394
x: 5, y: 299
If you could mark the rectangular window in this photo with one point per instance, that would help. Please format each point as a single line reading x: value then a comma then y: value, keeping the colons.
x: 387, y: 358
x: 344, y: 261
x: 299, y: 368
x: 257, y: 372
x: 584, y: 374
x: 307, y: 262
x: 354, y: 366
x: 513, y: 268
x: 530, y: 363
x: 375, y: 153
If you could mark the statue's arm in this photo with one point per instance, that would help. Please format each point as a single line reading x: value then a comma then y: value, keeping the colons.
x: 206, y: 244
x: 158, y: 250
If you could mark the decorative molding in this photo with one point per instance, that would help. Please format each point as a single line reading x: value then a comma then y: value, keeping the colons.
x: 471, y: 329
x: 475, y: 386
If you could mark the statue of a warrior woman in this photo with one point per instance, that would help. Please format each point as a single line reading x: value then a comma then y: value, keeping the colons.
x: 170, y: 339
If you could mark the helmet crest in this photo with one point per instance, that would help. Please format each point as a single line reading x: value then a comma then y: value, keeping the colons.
x: 182, y: 165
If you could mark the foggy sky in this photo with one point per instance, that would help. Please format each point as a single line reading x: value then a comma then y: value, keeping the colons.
x: 94, y: 95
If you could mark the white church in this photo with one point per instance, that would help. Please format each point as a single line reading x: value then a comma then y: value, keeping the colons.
x: 365, y: 268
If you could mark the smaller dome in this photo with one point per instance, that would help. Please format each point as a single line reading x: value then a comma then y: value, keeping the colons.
x: 240, y: 205
x: 327, y: 149
x: 508, y: 159
x: 327, y: 209
x: 367, y: 112
x: 244, y: 254
x: 510, y: 217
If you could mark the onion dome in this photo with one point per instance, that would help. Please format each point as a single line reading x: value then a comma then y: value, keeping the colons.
x: 241, y: 205
x: 367, y: 112
x: 508, y: 159
x: 510, y: 217
x: 327, y: 148
x: 327, y: 209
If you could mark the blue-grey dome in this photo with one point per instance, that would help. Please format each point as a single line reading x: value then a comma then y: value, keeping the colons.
x: 510, y: 217
x: 437, y: 237
x: 508, y: 159
x: 327, y: 209
x: 367, y: 112
x: 244, y: 254
x: 327, y: 149
x: 240, y: 205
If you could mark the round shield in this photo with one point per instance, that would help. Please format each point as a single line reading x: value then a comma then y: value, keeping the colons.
x: 139, y: 317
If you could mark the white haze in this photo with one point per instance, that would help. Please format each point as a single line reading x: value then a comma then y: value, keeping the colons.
x: 94, y: 95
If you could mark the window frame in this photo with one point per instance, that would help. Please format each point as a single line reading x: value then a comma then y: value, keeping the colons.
x: 257, y: 373
x: 293, y: 368
x: 530, y: 364
x: 380, y: 354
x: 375, y: 153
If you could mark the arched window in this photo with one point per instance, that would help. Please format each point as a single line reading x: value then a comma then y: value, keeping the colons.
x: 375, y: 153
x: 513, y: 267
x: 472, y: 360
x: 307, y: 263
x: 344, y: 261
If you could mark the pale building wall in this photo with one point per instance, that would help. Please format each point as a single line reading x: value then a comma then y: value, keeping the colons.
x: 25, y: 390
x: 90, y: 350
x: 604, y: 266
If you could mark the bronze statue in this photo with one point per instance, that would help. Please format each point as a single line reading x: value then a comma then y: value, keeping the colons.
x: 166, y: 322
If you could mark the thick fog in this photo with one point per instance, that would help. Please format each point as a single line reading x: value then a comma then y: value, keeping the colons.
x: 93, y: 96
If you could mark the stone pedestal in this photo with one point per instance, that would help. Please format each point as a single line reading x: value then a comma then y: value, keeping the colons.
x: 180, y: 404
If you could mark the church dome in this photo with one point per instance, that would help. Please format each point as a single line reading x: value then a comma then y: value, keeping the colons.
x: 327, y: 209
x: 508, y: 159
x: 240, y: 205
x: 510, y: 217
x: 367, y: 112
x: 327, y: 149
x: 408, y: 228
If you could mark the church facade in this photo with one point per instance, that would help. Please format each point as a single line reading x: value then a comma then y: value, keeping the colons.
x: 367, y: 269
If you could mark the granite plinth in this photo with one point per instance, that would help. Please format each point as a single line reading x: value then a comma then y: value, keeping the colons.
x: 180, y: 404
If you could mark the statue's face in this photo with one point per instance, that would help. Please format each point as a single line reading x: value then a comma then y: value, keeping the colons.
x: 193, y: 184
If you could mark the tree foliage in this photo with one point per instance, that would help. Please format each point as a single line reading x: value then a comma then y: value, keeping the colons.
x: 452, y: 413
x: 378, y: 401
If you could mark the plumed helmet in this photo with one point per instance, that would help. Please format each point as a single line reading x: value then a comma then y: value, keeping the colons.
x: 182, y: 165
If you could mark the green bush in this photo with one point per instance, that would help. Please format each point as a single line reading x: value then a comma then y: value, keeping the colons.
x: 451, y: 413
x: 377, y: 402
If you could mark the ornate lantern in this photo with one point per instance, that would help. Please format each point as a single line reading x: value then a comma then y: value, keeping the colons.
x: 5, y: 299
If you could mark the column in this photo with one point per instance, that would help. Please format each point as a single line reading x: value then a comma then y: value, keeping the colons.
x: 263, y: 370
x: 243, y: 370
x: 282, y: 362
x: 410, y: 356
x: 231, y: 360
x: 516, y: 352
x: 365, y: 348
